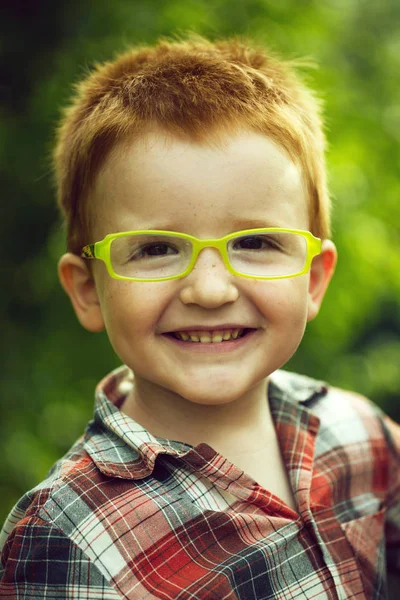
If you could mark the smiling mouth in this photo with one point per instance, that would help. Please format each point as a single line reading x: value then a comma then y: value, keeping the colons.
x: 206, y: 337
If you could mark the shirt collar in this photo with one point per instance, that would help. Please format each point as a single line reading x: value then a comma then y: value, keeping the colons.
x: 121, y: 447
x: 296, y: 388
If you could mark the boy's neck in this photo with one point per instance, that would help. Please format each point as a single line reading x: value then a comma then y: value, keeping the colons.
x: 242, y: 426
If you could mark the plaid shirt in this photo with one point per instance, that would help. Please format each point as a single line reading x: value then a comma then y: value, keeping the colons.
x: 128, y: 515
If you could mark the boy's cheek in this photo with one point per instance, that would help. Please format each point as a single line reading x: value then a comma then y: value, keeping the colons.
x: 283, y: 297
x: 131, y: 306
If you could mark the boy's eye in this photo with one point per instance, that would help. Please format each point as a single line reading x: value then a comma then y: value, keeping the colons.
x: 154, y: 249
x: 257, y: 242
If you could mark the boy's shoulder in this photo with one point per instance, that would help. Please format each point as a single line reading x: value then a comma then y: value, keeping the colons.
x: 33, y: 504
x: 320, y: 396
x: 42, y: 536
x: 62, y: 519
x: 352, y: 438
x: 344, y: 417
x: 318, y: 393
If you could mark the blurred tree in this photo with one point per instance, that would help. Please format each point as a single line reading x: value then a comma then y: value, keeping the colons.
x: 50, y: 364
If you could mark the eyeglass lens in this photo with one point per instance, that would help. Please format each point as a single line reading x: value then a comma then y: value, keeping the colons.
x: 150, y: 256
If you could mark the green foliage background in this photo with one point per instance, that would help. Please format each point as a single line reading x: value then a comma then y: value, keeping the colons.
x: 50, y: 365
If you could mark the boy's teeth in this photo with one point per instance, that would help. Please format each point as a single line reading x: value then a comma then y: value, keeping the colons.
x: 207, y: 337
x: 217, y: 337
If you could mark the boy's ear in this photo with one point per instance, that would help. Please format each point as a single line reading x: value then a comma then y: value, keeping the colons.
x: 322, y: 269
x: 79, y: 284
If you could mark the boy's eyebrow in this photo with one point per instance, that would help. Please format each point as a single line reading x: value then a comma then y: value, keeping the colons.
x: 236, y: 225
x: 241, y: 223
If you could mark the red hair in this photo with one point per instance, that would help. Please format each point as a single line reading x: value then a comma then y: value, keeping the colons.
x: 189, y: 88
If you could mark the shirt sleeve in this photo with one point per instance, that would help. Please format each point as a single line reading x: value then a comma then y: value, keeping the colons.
x: 39, y: 561
x: 392, y: 434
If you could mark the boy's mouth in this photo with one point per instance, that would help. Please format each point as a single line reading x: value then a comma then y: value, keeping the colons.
x: 210, y: 336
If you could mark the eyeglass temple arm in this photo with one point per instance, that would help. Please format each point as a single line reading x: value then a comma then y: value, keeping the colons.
x: 88, y: 251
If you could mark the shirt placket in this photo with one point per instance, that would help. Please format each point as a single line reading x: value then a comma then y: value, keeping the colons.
x: 297, y: 430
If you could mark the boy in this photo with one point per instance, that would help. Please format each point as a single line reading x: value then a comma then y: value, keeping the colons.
x: 194, y: 173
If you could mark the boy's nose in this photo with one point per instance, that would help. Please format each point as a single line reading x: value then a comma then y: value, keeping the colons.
x: 209, y: 284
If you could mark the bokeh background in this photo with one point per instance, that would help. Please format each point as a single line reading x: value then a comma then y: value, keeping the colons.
x: 50, y: 365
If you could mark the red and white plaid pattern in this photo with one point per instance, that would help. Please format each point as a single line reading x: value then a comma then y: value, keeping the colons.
x: 128, y: 515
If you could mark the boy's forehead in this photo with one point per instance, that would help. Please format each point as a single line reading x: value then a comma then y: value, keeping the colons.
x: 160, y: 181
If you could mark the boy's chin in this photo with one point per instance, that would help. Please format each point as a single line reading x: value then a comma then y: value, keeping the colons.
x: 213, y: 394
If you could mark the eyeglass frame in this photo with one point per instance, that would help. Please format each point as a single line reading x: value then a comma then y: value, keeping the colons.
x: 101, y: 250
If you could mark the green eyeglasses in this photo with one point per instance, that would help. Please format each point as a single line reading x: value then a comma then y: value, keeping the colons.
x: 153, y: 255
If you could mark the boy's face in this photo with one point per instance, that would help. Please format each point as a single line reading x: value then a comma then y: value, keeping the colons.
x: 165, y: 183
